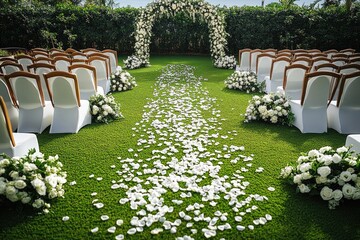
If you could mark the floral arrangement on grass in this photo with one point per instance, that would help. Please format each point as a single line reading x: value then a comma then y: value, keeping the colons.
x: 334, y: 174
x: 244, y: 81
x: 121, y: 80
x: 133, y: 62
x: 273, y: 107
x: 228, y: 62
x: 104, y: 109
x: 209, y: 14
x: 32, y: 179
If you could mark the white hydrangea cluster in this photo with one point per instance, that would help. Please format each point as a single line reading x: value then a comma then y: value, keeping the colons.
x: 121, y: 80
x: 180, y: 187
x: 333, y: 173
x: 194, y: 8
x: 244, y: 81
x: 104, y: 109
x: 273, y: 108
x: 32, y: 179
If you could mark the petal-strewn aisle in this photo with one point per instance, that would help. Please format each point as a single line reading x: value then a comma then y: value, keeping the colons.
x: 174, y: 180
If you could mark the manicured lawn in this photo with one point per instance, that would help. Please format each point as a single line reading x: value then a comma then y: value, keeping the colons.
x: 96, y: 148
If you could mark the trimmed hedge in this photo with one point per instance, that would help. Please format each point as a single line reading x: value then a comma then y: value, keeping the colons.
x: 248, y: 27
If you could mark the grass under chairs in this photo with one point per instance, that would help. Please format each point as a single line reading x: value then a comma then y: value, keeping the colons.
x: 94, y: 150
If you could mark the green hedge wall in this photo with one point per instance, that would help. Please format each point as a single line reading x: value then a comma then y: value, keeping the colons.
x: 248, y: 27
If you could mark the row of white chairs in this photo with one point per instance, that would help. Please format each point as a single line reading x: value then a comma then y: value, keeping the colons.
x: 248, y: 57
x: 29, y: 111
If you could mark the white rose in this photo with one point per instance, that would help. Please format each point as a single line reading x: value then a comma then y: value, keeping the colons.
x: 12, y: 197
x: 26, y: 200
x: 342, y: 150
x: 28, y: 167
x: 337, y: 195
x: 348, y: 191
x: 313, y: 153
x: 326, y: 193
x: 306, y: 176
x: 14, y: 174
x: 4, y: 163
x: 297, y: 179
x: 52, y: 194
x: 39, y: 186
x: 285, y: 172
x: 305, y: 167
x: 356, y: 195
x: 11, y: 190
x: 320, y: 180
x: 38, y: 203
x: 304, y: 188
x: 325, y: 149
x: 52, y: 180
x: 2, y: 187
x: 20, y: 184
x: 324, y: 171
x: 336, y: 158
x: 345, y: 176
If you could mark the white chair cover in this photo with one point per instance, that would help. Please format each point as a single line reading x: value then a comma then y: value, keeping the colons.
x: 276, y: 74
x: 70, y: 113
x: 244, y: 59
x: 310, y: 110
x: 41, y: 69
x: 344, y: 113
x: 14, y: 144
x: 35, y: 114
x: 102, y: 73
x: 10, y: 103
x: 112, y: 54
x: 86, y: 76
x: 253, y: 58
x: 293, y: 81
x: 354, y: 140
x: 263, y: 66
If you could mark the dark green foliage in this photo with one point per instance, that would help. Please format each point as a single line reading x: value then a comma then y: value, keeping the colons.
x: 66, y: 25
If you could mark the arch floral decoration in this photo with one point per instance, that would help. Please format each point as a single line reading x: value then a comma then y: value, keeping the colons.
x: 206, y: 11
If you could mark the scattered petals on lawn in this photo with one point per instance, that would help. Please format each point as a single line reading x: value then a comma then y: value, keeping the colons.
x: 180, y: 186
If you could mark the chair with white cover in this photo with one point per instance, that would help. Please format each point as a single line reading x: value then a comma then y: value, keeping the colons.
x: 349, y: 68
x: 46, y: 60
x: 70, y: 112
x: 39, y: 54
x: 35, y: 114
x: 276, y: 77
x: 348, y: 51
x: 339, y: 61
x: 102, y: 55
x: 263, y: 66
x: 293, y: 81
x: 253, y: 58
x: 89, y: 50
x: 10, y: 102
x: 102, y: 72
x: 86, y: 76
x: 79, y: 55
x: 318, y: 61
x: 244, y: 59
x: 10, y: 59
x: 354, y: 141
x: 55, y: 50
x: 311, y: 110
x: 40, y: 69
x: 303, y: 61
x: 344, y: 113
x: 9, y: 67
x: 327, y: 67
x: 355, y: 60
x: 60, y: 54
x: 112, y: 54
x: 271, y: 51
x: 62, y: 63
x: 14, y: 144
x: 25, y: 61
x: 331, y: 52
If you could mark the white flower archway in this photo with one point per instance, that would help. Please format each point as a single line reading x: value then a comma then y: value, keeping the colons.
x: 206, y: 11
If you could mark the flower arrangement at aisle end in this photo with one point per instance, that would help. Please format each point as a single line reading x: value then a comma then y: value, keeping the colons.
x: 133, y: 62
x: 228, y: 62
x: 333, y: 174
x: 32, y: 179
x: 273, y: 107
x: 104, y: 109
x: 121, y: 80
x: 244, y: 81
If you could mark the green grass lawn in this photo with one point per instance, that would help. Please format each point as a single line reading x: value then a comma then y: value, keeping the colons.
x: 96, y: 147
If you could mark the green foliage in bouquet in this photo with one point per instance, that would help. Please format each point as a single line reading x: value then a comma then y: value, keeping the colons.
x: 104, y: 109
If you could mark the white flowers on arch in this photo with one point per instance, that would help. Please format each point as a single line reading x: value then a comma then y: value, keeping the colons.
x: 199, y: 8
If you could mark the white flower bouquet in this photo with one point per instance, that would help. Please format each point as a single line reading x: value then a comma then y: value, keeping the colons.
x: 273, y: 107
x: 227, y: 62
x: 121, y: 80
x: 32, y: 179
x: 333, y: 174
x: 104, y: 109
x: 133, y: 62
x: 244, y: 81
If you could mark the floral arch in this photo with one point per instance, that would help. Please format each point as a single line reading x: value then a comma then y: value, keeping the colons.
x: 206, y: 11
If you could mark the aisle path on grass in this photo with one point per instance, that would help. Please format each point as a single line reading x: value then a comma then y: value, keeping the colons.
x: 174, y: 180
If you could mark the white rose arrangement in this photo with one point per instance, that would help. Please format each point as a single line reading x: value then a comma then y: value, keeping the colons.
x: 331, y: 173
x: 32, y: 180
x: 209, y: 13
x: 244, y: 81
x: 273, y: 108
x: 121, y: 80
x: 104, y: 109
